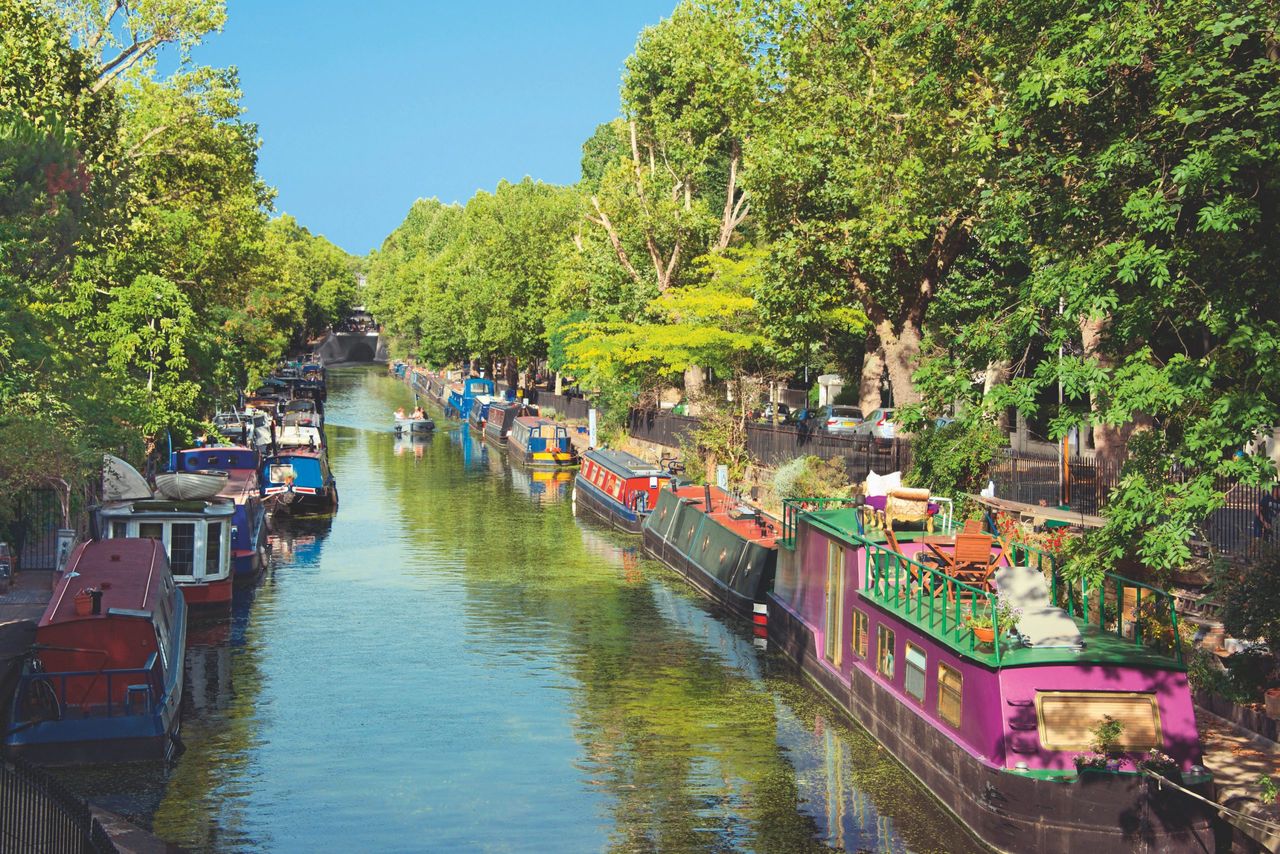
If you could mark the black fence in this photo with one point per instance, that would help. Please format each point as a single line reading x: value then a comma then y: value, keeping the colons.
x: 774, y: 445
x: 38, y: 814
x: 32, y: 533
x: 1086, y: 486
x: 569, y: 407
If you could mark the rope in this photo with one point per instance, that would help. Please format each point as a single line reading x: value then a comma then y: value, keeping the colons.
x: 1260, y: 824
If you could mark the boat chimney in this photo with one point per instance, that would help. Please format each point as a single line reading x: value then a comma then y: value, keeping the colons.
x: 706, y: 494
x: 96, y: 596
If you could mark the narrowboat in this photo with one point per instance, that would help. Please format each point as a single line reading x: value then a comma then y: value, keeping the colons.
x: 299, y: 481
x: 463, y: 394
x: 502, y: 416
x: 303, y: 412
x: 722, y: 546
x: 479, y: 412
x: 249, y: 427
x: 292, y: 436
x: 249, y: 523
x: 540, y: 442
x: 992, y: 725
x: 619, y: 487
x: 196, y: 537
x: 103, y: 682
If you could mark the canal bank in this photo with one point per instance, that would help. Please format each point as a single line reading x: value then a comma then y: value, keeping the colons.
x: 455, y: 662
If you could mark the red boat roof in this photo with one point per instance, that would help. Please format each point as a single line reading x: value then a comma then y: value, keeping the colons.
x: 724, y: 509
x: 129, y: 572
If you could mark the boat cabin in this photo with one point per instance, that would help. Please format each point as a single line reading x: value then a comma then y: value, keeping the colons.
x: 537, y: 441
x: 619, y: 487
x: 248, y: 525
x: 462, y: 394
x: 104, y: 680
x: 299, y: 436
x: 299, y: 480
x: 501, y: 416
x: 196, y: 536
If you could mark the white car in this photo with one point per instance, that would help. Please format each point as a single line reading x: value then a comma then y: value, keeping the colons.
x: 879, y: 423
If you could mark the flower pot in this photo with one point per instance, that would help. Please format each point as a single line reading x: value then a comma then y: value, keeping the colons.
x: 84, y: 604
x: 984, y: 634
x: 1273, y: 703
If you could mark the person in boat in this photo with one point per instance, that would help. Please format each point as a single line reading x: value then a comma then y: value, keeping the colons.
x: 400, y: 414
x: 418, y: 414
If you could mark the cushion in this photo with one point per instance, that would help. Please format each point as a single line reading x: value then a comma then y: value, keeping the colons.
x: 907, y: 494
x: 877, y: 502
x: 881, y: 484
x: 873, y: 487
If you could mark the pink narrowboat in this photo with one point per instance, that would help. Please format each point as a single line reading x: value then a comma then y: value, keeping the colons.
x: 994, y: 729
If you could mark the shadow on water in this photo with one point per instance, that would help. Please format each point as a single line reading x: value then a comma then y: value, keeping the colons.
x: 454, y: 662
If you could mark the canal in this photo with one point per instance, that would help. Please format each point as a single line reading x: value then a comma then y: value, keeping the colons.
x: 456, y: 663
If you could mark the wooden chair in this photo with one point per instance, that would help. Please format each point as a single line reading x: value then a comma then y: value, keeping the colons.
x: 973, y: 526
x: 925, y: 581
x: 974, y: 561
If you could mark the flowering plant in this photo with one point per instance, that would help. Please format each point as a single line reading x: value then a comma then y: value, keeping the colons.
x: 1092, y: 760
x: 1005, y: 618
x: 1158, y: 763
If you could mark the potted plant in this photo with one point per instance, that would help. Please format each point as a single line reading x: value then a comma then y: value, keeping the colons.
x: 984, y: 624
x: 1105, y: 753
x: 1159, y: 763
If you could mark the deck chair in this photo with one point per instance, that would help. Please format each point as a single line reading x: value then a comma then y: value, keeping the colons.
x: 926, y: 582
x: 973, y: 526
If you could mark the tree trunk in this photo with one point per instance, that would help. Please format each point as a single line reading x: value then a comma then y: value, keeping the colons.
x: 694, y: 385
x: 997, y: 374
x: 559, y: 383
x: 513, y: 373
x: 872, y: 373
x: 1110, y: 441
x: 901, y: 354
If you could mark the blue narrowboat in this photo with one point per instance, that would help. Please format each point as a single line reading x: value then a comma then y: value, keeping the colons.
x: 463, y: 394
x: 541, y: 442
x: 298, y: 481
x: 619, y: 487
x: 104, y: 680
x: 249, y: 522
x: 479, y: 413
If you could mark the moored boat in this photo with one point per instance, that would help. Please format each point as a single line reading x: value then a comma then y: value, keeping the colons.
x: 479, y: 413
x: 299, y: 481
x: 414, y: 426
x: 463, y: 394
x: 724, y: 547
x: 248, y: 524
x: 502, y: 416
x: 540, y: 442
x: 104, y: 679
x: 196, y: 537
x: 618, y: 487
x: 993, y: 725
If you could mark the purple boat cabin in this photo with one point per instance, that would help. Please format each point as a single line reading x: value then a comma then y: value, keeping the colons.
x: 993, y: 729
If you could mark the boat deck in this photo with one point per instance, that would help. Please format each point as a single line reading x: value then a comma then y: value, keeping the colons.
x: 758, y: 528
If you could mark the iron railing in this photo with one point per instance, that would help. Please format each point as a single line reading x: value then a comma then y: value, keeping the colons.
x: 132, y: 680
x: 931, y: 599
x: 38, y: 814
x: 792, y: 508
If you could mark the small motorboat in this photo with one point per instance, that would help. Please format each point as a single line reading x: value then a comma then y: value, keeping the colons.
x: 414, y: 426
x: 191, y: 485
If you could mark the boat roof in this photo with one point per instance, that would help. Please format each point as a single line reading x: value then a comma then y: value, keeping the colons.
x: 623, y: 464
x: 217, y: 457
x: 537, y: 420
x: 721, y: 503
x: 129, y: 572
x: 215, y: 508
x: 290, y: 453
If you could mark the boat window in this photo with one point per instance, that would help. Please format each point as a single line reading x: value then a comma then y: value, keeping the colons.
x: 860, y: 632
x: 162, y: 644
x: 119, y: 529
x: 1067, y: 718
x: 950, y: 694
x: 282, y: 473
x: 182, y: 548
x: 213, y: 548
x: 913, y: 678
x: 151, y: 530
x: 834, y: 629
x: 885, y: 651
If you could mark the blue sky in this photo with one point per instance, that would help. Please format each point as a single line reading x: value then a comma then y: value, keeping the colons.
x: 364, y: 107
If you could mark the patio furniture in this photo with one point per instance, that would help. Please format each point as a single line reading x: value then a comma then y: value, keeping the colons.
x: 1040, y: 625
x: 908, y: 505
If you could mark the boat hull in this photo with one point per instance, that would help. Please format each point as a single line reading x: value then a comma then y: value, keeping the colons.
x: 588, y: 497
x: 1007, y: 810
x: 416, y: 426
x: 291, y: 503
x: 207, y: 595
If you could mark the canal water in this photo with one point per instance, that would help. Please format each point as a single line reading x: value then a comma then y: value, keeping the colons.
x: 457, y: 663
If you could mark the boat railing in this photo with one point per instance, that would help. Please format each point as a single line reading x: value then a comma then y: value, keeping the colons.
x: 793, y: 508
x: 141, y: 686
x: 1127, y: 608
x: 928, y: 597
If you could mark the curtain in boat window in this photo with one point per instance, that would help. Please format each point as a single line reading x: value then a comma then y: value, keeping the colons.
x: 834, y: 602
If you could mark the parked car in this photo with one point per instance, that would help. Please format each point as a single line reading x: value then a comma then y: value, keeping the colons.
x: 765, y: 415
x: 878, y: 424
x: 841, y: 419
x: 802, y: 417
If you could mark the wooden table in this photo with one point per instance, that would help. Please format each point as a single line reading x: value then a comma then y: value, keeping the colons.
x: 1038, y: 514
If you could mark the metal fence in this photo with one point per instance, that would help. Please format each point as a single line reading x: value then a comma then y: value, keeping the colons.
x: 569, y: 407
x: 774, y: 445
x: 1086, y: 486
x: 32, y: 533
x: 38, y: 814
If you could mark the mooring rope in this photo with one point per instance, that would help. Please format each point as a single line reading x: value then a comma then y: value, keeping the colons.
x: 1262, y: 824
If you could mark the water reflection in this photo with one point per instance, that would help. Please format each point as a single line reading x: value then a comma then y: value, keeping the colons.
x: 454, y: 656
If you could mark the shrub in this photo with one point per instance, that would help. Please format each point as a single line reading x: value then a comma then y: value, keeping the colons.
x: 811, y: 477
x: 956, y: 457
x: 1250, y: 597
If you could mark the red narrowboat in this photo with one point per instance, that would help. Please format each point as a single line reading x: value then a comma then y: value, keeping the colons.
x: 618, y: 487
